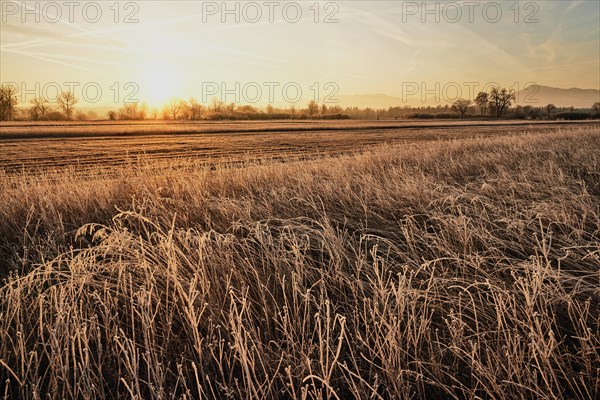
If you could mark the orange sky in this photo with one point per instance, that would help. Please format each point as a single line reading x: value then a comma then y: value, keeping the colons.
x: 152, y: 50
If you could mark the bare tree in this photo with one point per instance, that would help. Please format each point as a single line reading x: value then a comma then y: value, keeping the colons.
x: 313, y: 108
x: 174, y: 107
x: 195, y: 109
x: 8, y: 102
x: 461, y: 106
x: 67, y: 101
x: 482, y: 101
x: 129, y: 111
x: 596, y: 108
x: 549, y: 108
x: 230, y: 109
x: 217, y: 104
x: 500, y: 100
x: 335, y: 109
x: 40, y: 107
x: 33, y: 114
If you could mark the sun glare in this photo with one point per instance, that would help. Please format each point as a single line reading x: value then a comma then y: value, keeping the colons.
x: 157, y: 85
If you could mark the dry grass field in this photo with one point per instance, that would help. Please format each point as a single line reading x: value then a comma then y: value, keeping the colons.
x: 449, y: 262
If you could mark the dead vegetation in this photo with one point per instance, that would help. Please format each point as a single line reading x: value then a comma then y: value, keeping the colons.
x: 461, y: 269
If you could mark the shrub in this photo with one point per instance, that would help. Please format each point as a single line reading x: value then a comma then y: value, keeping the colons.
x: 572, y: 116
x: 447, y: 116
x: 419, y: 116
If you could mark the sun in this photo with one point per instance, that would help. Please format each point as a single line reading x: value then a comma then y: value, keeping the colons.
x: 158, y: 84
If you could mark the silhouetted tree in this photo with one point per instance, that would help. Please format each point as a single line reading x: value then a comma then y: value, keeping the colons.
x: 67, y: 101
x: 216, y: 105
x: 132, y: 111
x: 549, y: 108
x: 461, y: 106
x: 500, y: 100
x: 174, y: 107
x: 40, y: 107
x: 531, y: 112
x: 8, y: 102
x: 230, y: 108
x: 313, y: 108
x: 482, y: 101
x: 33, y: 114
x: 195, y: 109
x: 596, y: 108
x: 335, y: 110
x: 112, y: 116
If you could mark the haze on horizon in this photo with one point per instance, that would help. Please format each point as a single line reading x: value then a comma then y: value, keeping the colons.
x: 177, y: 47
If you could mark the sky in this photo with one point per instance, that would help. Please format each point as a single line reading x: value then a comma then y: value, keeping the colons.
x: 289, y: 52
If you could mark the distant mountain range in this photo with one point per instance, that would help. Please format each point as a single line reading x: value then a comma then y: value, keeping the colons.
x: 535, y: 95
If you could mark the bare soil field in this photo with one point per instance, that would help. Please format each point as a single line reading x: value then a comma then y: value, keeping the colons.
x: 59, y: 129
x: 29, y: 147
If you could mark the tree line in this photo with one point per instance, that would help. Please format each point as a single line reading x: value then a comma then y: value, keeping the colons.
x: 495, y: 104
x: 178, y: 109
x: 498, y: 101
x: 40, y: 107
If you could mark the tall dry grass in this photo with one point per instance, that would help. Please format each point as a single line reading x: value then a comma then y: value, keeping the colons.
x: 465, y: 269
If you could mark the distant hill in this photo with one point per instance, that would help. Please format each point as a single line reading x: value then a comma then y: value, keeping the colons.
x: 537, y: 95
